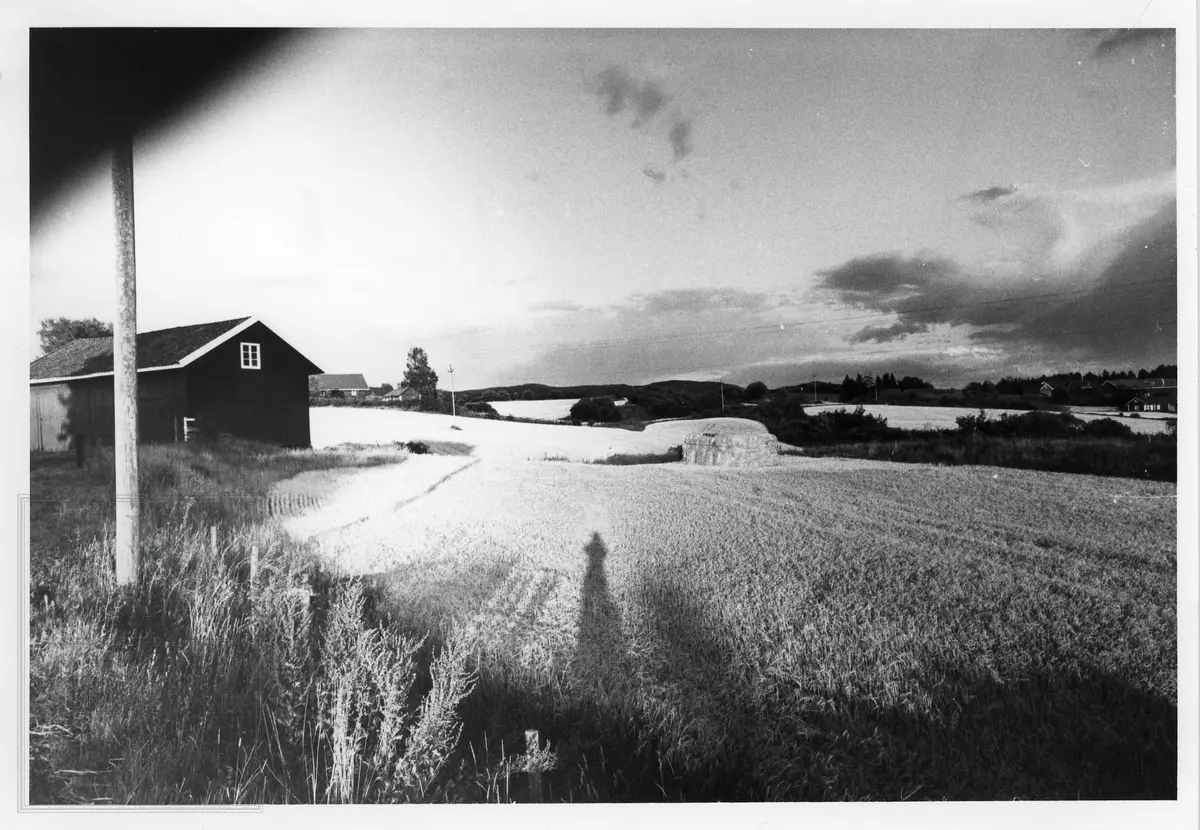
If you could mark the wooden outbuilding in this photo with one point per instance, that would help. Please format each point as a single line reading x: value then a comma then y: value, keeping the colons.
x: 341, y: 386
x: 233, y: 377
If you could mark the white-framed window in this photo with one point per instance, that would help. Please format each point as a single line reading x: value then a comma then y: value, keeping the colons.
x: 251, y: 356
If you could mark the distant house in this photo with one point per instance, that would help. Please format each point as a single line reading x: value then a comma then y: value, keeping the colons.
x: 1046, y: 389
x: 1120, y: 391
x: 405, y: 394
x: 233, y: 377
x: 341, y: 386
x: 1153, y: 400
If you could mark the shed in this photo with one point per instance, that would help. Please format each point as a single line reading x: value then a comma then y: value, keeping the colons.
x: 233, y: 377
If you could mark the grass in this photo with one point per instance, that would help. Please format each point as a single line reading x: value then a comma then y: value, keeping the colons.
x: 204, y: 686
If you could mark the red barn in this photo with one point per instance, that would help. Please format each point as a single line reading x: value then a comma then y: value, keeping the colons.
x: 234, y: 377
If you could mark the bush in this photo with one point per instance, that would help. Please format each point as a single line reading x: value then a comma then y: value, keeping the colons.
x: 1106, y: 428
x: 1036, y: 423
x: 792, y: 425
x: 417, y: 447
x: 756, y: 391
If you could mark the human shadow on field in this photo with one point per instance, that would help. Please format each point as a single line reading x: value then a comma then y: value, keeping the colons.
x: 600, y: 647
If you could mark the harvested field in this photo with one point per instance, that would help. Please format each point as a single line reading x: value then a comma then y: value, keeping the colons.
x: 553, y: 410
x: 332, y: 426
x: 824, y: 629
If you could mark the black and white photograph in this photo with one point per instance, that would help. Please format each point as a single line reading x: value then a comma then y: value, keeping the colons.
x: 608, y: 413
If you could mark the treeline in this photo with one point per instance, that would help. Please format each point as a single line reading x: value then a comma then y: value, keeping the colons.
x: 1030, y: 385
x: 862, y: 387
x: 1036, y: 440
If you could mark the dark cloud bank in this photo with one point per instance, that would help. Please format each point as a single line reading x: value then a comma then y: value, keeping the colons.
x: 1123, y: 316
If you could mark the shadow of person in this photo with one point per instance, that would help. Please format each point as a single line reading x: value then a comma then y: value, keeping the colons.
x: 600, y: 649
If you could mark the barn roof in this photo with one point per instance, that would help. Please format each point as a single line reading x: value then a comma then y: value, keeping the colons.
x: 331, y: 383
x: 396, y: 393
x: 161, y: 349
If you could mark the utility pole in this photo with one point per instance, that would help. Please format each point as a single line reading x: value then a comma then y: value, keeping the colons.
x: 453, y: 410
x: 125, y: 381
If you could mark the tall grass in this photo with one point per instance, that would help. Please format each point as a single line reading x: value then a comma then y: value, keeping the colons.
x: 202, y: 686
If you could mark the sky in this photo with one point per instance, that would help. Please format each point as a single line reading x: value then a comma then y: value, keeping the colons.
x: 566, y: 206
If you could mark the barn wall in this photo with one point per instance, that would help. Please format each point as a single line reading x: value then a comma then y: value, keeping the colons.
x: 268, y: 404
x: 85, y: 407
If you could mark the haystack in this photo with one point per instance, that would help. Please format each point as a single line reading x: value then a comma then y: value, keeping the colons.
x: 720, y: 445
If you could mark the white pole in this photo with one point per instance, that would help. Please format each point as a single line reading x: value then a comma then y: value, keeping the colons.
x: 125, y: 389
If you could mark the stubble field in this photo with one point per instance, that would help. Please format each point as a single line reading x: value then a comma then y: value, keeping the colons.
x: 824, y: 629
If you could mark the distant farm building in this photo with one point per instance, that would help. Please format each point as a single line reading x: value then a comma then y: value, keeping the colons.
x: 1122, y: 392
x: 1151, y: 400
x: 341, y: 386
x: 406, y: 395
x: 234, y: 377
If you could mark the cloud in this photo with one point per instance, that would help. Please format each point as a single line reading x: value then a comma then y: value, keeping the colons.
x: 1128, y: 314
x: 555, y: 305
x: 667, y: 333
x: 991, y: 194
x: 884, y: 334
x: 884, y: 281
x: 1115, y: 303
x: 620, y: 92
x: 1063, y: 231
x: 681, y: 138
x: 657, y: 175
x: 1114, y: 40
x: 953, y: 369
x: 700, y: 300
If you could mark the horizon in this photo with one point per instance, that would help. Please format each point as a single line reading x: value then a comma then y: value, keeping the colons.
x: 572, y: 207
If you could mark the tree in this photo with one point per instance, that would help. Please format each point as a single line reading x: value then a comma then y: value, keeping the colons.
x: 595, y: 409
x: 755, y: 391
x: 58, y: 332
x: 419, y: 377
